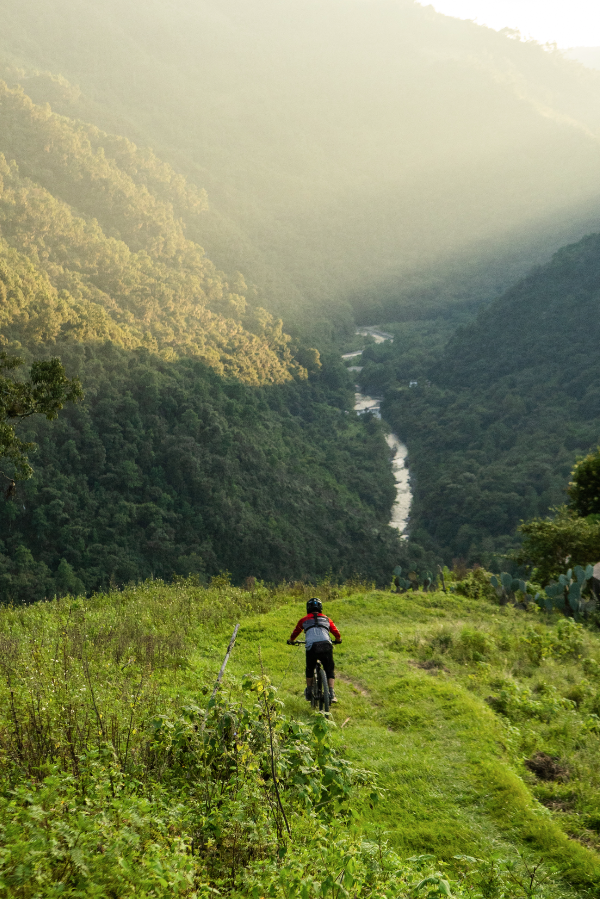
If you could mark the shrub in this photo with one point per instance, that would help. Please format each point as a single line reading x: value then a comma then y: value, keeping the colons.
x: 552, y: 545
x: 472, y: 646
x: 584, y: 488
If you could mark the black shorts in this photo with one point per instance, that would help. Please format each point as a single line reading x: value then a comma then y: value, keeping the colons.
x: 324, y: 653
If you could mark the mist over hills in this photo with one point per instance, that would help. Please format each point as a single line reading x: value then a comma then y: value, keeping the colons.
x: 175, y: 176
x: 373, y: 154
x: 208, y: 440
x: 587, y: 56
x: 93, y: 247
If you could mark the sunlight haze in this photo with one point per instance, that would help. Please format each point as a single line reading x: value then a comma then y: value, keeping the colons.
x: 575, y: 24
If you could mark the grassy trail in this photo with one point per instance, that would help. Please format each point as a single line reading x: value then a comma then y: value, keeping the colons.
x: 454, y: 785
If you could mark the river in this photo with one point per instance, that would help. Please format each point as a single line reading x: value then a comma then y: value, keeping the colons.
x: 364, y: 403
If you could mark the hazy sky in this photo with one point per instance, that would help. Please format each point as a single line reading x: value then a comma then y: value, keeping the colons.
x: 568, y: 23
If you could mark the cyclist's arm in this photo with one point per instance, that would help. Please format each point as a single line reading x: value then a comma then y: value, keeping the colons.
x: 335, y: 632
x: 297, y: 630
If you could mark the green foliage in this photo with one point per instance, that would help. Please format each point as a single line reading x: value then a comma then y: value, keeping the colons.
x: 121, y: 777
x: 584, y: 488
x: 110, y: 787
x: 518, y: 703
x: 484, y: 444
x: 167, y: 470
x: 510, y: 589
x: 565, y: 642
x: 567, y: 594
x: 93, y: 248
x: 45, y: 393
x: 473, y: 583
x: 551, y: 544
x: 194, y: 804
x: 416, y: 579
x: 571, y: 593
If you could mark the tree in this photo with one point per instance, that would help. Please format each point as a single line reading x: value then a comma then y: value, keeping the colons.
x: 584, y: 488
x: 45, y: 392
x: 553, y: 545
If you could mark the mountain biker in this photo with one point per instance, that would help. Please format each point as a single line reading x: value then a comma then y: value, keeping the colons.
x: 317, y: 627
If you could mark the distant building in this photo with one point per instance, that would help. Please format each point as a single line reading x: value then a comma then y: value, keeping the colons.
x: 412, y: 383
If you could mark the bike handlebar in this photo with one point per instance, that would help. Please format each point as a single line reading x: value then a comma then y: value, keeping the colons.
x: 303, y: 642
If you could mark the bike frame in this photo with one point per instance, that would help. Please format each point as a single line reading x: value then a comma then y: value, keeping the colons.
x: 320, y: 686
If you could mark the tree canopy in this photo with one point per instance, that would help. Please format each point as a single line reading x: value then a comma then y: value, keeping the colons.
x: 504, y: 405
x: 584, y: 487
x: 45, y: 392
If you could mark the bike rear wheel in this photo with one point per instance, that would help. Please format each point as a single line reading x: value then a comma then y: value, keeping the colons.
x: 323, y: 691
x: 314, y: 692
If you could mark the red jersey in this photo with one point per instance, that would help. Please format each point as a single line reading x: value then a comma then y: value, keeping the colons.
x: 316, y: 626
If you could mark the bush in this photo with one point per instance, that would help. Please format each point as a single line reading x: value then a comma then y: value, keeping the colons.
x: 552, y: 545
x: 584, y: 488
x: 474, y: 584
x: 472, y: 646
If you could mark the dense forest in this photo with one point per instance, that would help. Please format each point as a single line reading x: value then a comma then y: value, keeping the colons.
x: 377, y: 158
x: 501, y: 412
x: 200, y: 203
x: 93, y: 248
x: 126, y: 262
x: 168, y: 469
x: 208, y: 439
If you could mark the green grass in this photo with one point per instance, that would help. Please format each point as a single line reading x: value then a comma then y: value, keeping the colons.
x: 452, y: 768
x: 442, y: 696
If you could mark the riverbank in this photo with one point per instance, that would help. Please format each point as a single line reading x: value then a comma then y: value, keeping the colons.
x: 364, y: 403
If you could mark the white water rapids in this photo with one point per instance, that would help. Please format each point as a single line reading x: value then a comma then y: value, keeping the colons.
x: 364, y: 403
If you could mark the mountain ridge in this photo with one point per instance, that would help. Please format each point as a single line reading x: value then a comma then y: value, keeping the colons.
x: 128, y: 273
x: 303, y: 164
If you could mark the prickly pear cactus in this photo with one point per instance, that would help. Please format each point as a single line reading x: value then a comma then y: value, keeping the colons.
x: 567, y: 595
x: 507, y: 587
x: 570, y: 594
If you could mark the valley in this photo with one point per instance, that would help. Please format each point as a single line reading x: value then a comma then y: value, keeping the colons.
x: 362, y: 403
x: 297, y: 299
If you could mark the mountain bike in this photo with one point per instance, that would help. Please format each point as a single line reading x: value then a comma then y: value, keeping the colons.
x: 319, y: 698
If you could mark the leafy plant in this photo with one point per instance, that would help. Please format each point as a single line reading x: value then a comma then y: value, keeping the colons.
x: 510, y: 589
x: 553, y: 544
x: 584, y: 487
x: 44, y: 393
x: 571, y: 594
x: 567, y: 594
x: 415, y: 580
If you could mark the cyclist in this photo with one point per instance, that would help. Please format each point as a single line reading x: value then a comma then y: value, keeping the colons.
x: 317, y: 627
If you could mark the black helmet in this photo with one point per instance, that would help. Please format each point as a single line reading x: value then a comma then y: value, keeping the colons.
x: 314, y: 605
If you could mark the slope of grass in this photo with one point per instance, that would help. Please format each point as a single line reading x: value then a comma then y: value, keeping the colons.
x: 442, y: 696
x: 453, y: 769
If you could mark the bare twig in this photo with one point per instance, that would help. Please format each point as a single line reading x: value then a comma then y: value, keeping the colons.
x: 133, y: 705
x: 225, y: 660
x: 86, y: 669
x: 221, y: 673
x: 275, y: 784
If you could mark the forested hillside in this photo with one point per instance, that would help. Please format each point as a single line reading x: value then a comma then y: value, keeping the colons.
x: 167, y: 469
x: 93, y: 248
x: 410, y: 170
x: 374, y: 153
x: 208, y: 440
x: 500, y: 415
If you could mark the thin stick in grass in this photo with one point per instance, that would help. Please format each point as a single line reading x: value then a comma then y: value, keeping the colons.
x: 275, y: 783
